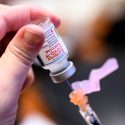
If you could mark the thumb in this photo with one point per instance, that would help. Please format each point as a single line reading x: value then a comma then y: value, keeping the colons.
x: 18, y: 58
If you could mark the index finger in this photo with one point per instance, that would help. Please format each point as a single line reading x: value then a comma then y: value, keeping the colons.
x: 15, y: 17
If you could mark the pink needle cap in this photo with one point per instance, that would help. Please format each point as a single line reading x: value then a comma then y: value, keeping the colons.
x: 93, y: 84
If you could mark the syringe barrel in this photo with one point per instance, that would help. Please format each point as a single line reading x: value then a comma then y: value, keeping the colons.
x: 90, y: 117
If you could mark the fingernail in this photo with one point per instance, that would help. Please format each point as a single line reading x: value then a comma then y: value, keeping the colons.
x: 33, y: 39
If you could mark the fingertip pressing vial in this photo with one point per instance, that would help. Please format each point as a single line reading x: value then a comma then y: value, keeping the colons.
x: 54, y: 54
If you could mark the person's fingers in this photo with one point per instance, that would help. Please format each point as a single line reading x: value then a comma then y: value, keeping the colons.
x: 15, y: 17
x: 28, y: 81
x: 18, y: 58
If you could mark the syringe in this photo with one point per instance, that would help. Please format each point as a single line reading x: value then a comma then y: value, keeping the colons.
x: 89, y: 86
x: 85, y: 109
x: 78, y: 98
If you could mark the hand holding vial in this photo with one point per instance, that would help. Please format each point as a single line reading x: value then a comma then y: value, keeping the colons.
x: 19, y: 55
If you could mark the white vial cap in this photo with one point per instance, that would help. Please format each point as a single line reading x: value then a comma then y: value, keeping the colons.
x: 63, y: 75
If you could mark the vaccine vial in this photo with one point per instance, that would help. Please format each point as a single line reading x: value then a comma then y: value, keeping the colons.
x: 54, y: 53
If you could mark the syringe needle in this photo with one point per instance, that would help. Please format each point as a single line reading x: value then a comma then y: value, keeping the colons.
x: 68, y: 84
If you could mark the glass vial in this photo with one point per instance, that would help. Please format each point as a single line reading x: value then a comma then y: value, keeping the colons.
x: 54, y: 53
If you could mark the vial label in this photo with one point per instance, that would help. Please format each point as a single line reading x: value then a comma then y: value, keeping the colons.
x: 53, y: 48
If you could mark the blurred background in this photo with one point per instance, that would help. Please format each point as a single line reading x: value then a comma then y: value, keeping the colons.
x: 93, y: 31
